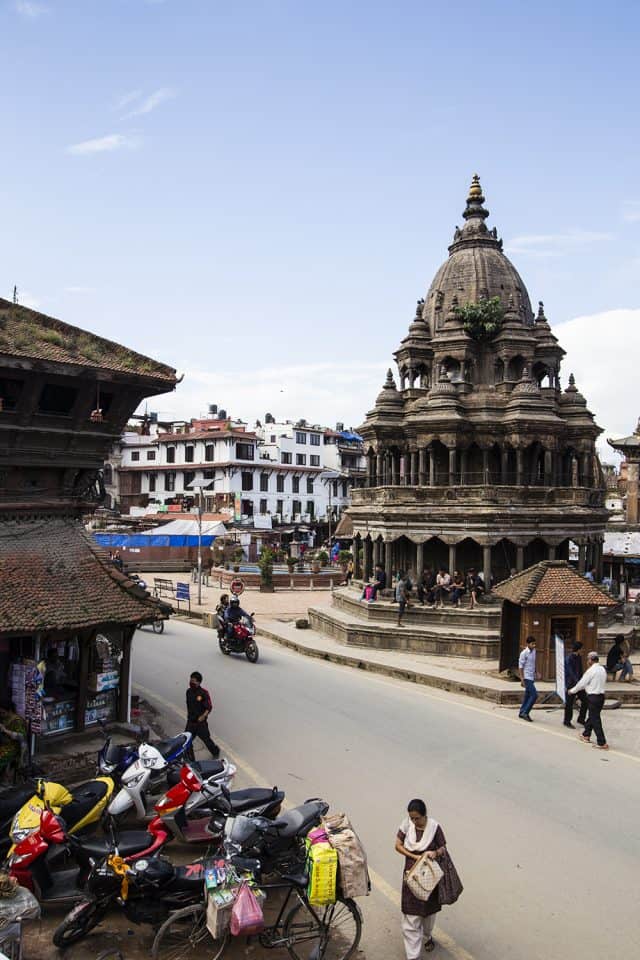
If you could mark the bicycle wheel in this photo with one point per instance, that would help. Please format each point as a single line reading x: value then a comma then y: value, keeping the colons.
x: 184, y: 934
x: 335, y: 937
x: 158, y: 626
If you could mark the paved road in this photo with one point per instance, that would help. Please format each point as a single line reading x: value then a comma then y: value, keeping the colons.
x: 544, y: 831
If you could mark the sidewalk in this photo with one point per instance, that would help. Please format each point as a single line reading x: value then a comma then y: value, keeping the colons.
x: 475, y: 678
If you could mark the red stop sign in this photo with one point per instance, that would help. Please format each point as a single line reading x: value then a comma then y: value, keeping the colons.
x: 237, y: 586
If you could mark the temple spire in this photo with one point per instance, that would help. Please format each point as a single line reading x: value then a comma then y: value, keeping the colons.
x: 474, y: 209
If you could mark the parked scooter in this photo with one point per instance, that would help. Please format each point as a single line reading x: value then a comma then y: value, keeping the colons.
x: 241, y: 640
x: 147, y: 892
x: 31, y: 861
x: 115, y: 758
x: 146, y: 779
x: 83, y: 806
x: 11, y: 801
x: 195, y: 810
x: 277, y: 844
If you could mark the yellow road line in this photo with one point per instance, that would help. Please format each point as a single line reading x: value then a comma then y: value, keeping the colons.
x: 377, y: 881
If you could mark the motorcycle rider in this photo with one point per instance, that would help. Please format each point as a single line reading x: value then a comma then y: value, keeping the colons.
x: 232, y: 615
x: 199, y: 706
x: 223, y: 603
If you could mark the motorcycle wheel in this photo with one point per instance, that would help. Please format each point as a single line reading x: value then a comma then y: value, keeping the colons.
x: 158, y: 626
x: 251, y: 651
x: 84, y: 917
x: 223, y: 646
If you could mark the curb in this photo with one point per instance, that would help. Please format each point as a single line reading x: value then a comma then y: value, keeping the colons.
x: 500, y: 697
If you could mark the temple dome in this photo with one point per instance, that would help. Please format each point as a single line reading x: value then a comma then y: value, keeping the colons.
x: 476, y: 269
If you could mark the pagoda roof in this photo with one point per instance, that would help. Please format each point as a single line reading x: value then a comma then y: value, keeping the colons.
x: 53, y: 577
x: 29, y: 334
x: 552, y: 583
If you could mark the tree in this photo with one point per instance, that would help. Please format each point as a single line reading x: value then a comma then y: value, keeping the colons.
x: 265, y: 563
x: 481, y: 320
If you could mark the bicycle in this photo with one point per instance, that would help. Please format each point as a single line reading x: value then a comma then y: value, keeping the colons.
x: 308, y: 933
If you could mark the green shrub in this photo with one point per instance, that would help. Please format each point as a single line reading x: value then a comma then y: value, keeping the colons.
x: 481, y: 320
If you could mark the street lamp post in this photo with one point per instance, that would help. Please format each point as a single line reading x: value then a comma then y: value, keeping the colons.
x: 200, y: 485
x: 329, y: 476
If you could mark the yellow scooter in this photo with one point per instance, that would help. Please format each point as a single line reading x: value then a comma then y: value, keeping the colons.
x: 82, y: 807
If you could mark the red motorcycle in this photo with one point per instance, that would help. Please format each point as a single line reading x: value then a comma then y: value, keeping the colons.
x: 240, y: 638
x: 33, y: 860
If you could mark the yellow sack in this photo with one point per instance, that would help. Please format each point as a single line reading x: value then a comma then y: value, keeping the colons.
x: 322, y: 862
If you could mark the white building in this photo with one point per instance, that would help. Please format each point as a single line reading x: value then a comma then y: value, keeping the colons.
x: 282, y: 472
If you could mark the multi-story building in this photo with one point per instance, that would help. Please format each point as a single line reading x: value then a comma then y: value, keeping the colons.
x: 283, y: 471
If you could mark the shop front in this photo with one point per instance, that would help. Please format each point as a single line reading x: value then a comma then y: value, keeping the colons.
x: 64, y: 682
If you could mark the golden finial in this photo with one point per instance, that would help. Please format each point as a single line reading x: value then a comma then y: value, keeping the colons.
x: 475, y: 190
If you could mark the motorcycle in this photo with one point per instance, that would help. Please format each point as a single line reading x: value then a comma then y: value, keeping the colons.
x: 148, y: 891
x: 34, y: 857
x: 277, y: 844
x: 10, y: 802
x: 115, y: 758
x: 195, y: 809
x: 242, y: 639
x: 147, y: 778
x: 83, y: 807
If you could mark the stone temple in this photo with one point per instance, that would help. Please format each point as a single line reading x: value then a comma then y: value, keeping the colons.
x: 478, y: 457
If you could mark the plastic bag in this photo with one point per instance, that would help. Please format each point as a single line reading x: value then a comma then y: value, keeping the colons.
x: 246, y: 915
x: 21, y: 906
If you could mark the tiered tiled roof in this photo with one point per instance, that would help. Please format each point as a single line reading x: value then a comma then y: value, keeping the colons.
x: 553, y: 583
x: 28, y: 333
x: 52, y: 577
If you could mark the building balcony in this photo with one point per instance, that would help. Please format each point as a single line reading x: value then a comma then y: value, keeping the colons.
x: 481, y: 494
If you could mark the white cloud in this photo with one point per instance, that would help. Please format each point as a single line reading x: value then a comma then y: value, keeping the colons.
x: 126, y: 99
x: 602, y: 351
x: 631, y: 212
x: 554, y: 244
x: 324, y: 393
x: 29, y: 9
x: 107, y: 144
x: 151, y: 102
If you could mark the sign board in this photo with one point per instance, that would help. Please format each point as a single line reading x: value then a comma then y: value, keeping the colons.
x: 237, y: 506
x: 560, y: 687
x: 237, y: 586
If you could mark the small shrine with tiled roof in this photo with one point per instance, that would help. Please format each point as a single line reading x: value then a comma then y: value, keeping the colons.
x: 548, y: 600
x: 67, y: 613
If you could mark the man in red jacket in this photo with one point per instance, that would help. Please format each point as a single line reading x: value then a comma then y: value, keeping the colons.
x: 199, y: 706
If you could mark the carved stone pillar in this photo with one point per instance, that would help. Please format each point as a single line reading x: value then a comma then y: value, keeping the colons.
x: 452, y: 558
x: 379, y: 470
x: 548, y: 468
x: 504, y: 466
x: 582, y: 557
x: 463, y: 467
x: 388, y: 562
x: 423, y: 467
x: 586, y: 469
x: 419, y: 561
x: 452, y: 466
x: 367, y: 559
x: 551, y: 555
x: 432, y: 468
x: 415, y: 469
x: 377, y: 552
x: 519, y: 559
x: 486, y: 567
x: 519, y: 466
x: 395, y: 463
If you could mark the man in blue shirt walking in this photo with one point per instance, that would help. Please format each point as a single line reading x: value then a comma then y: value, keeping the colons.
x: 528, y: 676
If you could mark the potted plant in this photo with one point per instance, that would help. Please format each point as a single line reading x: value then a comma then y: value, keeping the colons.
x: 291, y: 564
x: 265, y: 563
x: 238, y: 556
x: 343, y: 559
x: 315, y: 563
x: 323, y: 557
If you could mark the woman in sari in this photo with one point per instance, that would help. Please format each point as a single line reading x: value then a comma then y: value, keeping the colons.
x: 419, y: 834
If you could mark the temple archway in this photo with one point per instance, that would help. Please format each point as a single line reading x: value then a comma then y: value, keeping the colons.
x: 504, y: 558
x: 535, y: 551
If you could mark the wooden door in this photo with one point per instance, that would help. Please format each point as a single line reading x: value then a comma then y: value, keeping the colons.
x: 567, y: 628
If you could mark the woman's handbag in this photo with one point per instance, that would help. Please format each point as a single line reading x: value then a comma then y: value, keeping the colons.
x: 450, y: 887
x: 424, y: 877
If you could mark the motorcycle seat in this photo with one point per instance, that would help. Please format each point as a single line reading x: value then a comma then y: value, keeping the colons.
x: 242, y: 800
x: 206, y: 769
x: 299, y: 820
x: 85, y: 797
x: 173, y: 745
x: 129, y: 842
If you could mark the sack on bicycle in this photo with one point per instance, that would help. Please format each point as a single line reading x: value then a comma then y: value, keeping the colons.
x: 246, y: 916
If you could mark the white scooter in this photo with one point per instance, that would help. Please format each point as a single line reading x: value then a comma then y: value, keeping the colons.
x: 146, y: 780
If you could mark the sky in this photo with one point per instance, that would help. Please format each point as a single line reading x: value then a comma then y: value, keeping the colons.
x: 258, y: 192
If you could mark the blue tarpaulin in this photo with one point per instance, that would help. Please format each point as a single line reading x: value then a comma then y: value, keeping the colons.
x: 124, y: 540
